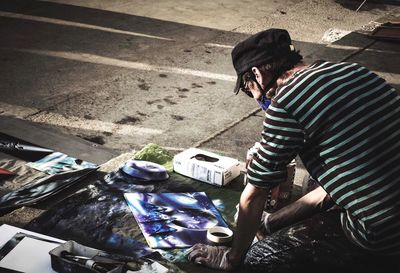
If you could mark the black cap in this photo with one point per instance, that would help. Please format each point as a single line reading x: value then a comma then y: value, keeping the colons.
x: 259, y: 49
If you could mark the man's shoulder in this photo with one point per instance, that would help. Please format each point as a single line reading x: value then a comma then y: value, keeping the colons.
x: 312, y: 77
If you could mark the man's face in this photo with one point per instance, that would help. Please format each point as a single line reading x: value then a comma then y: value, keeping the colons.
x: 250, y: 86
x: 253, y: 88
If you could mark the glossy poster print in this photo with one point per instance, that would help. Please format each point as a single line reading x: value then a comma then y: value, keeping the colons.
x: 58, y: 163
x: 174, y: 220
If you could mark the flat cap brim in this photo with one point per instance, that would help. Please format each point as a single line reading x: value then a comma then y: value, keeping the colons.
x: 238, y: 84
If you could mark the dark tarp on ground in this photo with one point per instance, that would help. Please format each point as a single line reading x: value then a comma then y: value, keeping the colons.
x: 40, y: 189
x: 314, y: 245
x: 22, y: 149
x: 98, y: 215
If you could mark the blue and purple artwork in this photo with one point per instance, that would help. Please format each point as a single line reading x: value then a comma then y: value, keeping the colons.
x: 58, y: 163
x: 174, y: 220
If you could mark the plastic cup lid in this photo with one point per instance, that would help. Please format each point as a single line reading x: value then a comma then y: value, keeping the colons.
x: 145, y: 170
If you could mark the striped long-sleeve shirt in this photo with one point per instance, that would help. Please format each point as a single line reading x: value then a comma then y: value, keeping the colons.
x: 344, y: 123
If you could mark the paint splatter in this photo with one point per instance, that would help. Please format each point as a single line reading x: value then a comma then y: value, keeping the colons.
x: 195, y: 85
x: 171, y: 102
x: 88, y: 116
x: 144, y: 86
x: 177, y: 117
x: 152, y: 101
x: 128, y: 119
x: 95, y: 139
x: 141, y: 114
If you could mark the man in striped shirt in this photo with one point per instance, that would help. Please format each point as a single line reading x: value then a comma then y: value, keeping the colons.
x: 343, y: 121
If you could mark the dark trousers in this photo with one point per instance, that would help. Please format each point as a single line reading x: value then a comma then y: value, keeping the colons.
x: 316, y: 244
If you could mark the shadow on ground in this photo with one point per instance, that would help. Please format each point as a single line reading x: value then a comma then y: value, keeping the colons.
x: 58, y: 56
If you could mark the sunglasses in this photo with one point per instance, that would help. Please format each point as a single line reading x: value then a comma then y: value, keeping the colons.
x: 248, y: 76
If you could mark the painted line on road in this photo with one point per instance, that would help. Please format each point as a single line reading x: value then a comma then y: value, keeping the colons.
x: 75, y: 24
x: 218, y: 45
x: 96, y: 59
x: 355, y: 48
x: 51, y: 118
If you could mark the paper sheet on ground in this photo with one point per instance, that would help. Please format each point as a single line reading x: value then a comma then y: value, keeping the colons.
x: 38, y: 259
x: 30, y: 256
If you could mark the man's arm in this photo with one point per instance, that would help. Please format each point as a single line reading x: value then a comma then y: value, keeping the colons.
x: 251, y: 207
x: 313, y: 202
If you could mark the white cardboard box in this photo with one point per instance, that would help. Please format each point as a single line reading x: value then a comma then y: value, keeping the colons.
x: 206, y: 166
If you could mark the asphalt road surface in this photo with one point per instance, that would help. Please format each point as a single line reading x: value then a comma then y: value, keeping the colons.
x: 125, y: 73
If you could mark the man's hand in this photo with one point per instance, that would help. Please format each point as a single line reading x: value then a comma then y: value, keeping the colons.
x: 251, y: 207
x: 215, y: 257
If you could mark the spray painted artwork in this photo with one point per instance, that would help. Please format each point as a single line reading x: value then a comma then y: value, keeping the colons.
x: 174, y: 220
x: 58, y: 163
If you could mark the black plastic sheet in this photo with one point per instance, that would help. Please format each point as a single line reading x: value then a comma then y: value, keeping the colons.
x: 22, y: 149
x: 317, y: 244
x: 98, y: 215
x: 40, y: 189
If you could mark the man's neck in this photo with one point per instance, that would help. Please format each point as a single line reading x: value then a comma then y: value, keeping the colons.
x: 281, y: 80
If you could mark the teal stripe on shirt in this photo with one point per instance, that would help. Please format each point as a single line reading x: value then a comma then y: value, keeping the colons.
x: 358, y: 158
x: 320, y: 88
x: 314, y: 82
x: 380, y: 202
x: 280, y: 128
x: 366, y: 129
x: 380, y: 133
x: 361, y: 177
x: 346, y: 94
x: 314, y: 71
